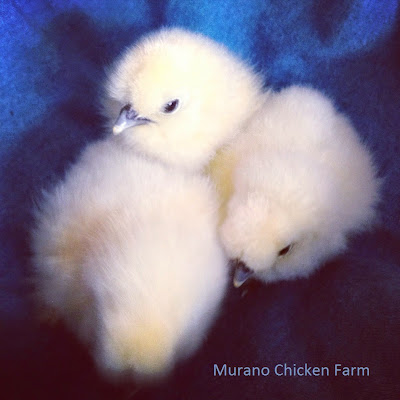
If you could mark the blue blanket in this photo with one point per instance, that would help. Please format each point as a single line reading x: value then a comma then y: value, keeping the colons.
x: 53, y: 55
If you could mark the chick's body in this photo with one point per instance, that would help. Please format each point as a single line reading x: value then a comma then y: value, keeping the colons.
x: 301, y: 181
x: 178, y: 96
x: 126, y: 252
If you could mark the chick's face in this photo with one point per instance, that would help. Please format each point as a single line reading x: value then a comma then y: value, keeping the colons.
x: 178, y: 98
x: 268, y: 241
x: 261, y: 237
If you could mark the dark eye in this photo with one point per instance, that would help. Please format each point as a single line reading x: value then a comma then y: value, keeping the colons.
x: 171, y: 106
x: 285, y: 250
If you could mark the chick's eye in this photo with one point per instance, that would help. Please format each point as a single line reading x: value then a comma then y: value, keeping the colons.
x: 285, y: 250
x: 171, y: 106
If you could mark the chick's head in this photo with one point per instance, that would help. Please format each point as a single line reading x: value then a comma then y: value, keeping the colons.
x: 178, y: 96
x: 281, y: 223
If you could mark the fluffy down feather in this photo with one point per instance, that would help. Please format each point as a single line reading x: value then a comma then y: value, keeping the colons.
x: 302, y: 182
x: 126, y: 253
x: 178, y: 96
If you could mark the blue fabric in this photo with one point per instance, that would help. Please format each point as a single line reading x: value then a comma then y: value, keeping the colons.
x: 53, y: 57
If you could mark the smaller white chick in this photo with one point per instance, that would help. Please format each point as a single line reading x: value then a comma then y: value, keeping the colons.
x: 126, y: 252
x: 302, y: 182
x: 177, y: 96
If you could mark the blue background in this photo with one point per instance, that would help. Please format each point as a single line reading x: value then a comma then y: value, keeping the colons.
x: 53, y: 56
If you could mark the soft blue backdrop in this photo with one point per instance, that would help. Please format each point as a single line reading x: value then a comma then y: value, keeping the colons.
x: 53, y: 55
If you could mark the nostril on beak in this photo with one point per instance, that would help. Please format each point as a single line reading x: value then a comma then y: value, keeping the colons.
x: 128, y: 118
x: 131, y: 114
x: 127, y: 107
x: 128, y: 112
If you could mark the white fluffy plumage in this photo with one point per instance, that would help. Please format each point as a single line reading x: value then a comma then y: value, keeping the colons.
x: 126, y: 253
x: 177, y: 96
x: 302, y: 182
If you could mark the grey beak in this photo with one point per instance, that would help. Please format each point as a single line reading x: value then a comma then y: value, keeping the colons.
x: 128, y: 118
x: 241, y: 274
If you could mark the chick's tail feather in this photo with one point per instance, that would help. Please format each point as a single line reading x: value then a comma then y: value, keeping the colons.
x: 145, y: 349
x: 154, y: 350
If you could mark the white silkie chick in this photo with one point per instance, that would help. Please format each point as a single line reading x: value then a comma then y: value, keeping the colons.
x: 177, y: 96
x: 126, y: 252
x: 302, y: 182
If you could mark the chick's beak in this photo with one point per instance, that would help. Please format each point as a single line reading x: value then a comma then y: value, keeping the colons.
x: 241, y: 274
x: 128, y: 118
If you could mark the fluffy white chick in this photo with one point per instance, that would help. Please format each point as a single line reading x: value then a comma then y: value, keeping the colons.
x: 302, y: 182
x: 126, y: 252
x: 177, y: 96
